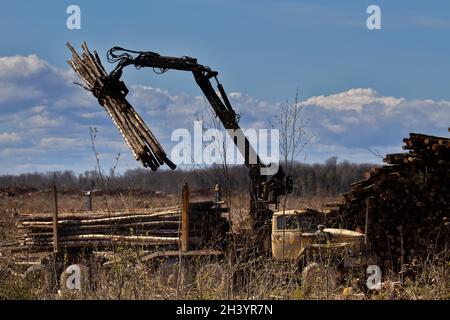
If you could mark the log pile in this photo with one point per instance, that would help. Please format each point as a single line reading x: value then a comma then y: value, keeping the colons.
x: 111, y: 93
x: 136, y: 228
x: 406, y: 202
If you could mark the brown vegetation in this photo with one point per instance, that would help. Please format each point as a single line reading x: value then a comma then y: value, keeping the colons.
x: 130, y: 278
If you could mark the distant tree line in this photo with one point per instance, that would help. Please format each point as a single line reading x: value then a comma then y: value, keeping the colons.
x: 329, y: 178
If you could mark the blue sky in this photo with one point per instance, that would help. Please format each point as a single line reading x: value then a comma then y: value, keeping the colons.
x: 365, y: 89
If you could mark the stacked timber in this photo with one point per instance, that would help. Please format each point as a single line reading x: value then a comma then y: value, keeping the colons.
x: 404, y: 205
x: 134, y: 228
x: 111, y: 93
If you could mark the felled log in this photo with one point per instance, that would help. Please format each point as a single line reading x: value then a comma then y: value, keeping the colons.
x: 146, y: 227
x: 101, y: 214
x: 119, y: 238
x: 111, y: 93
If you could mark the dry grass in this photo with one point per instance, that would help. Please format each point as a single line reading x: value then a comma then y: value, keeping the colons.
x: 255, y: 277
x: 42, y: 202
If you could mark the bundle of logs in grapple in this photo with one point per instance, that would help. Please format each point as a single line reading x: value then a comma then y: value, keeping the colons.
x: 404, y: 206
x: 111, y: 94
x: 135, y: 228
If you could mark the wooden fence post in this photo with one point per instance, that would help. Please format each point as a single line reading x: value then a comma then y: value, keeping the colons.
x: 366, y: 223
x: 88, y: 200
x: 185, y: 219
x: 55, y: 221
x: 217, y: 194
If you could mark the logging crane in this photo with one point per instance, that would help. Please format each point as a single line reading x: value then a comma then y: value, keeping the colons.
x: 263, y: 191
x: 284, y: 235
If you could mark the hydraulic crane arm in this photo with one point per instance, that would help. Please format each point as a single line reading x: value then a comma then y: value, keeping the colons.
x: 202, y: 75
x: 262, y: 191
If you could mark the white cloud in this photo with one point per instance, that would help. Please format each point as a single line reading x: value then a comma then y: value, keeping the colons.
x: 17, y: 153
x: 353, y: 99
x: 54, y: 117
x: 259, y: 124
x: 362, y: 119
x: 336, y: 128
x: 38, y: 109
x: 61, y: 143
x: 21, y: 66
x: 352, y: 122
x: 113, y: 146
x: 93, y: 115
x: 235, y: 95
x: 24, y: 78
x: 156, y: 102
x: 43, y: 121
x: 11, y: 92
x: 9, y: 137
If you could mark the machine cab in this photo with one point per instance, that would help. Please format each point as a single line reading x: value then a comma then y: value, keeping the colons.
x: 287, y: 230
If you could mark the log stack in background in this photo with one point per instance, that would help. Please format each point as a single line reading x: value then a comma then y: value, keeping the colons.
x: 407, y: 202
x: 147, y: 228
